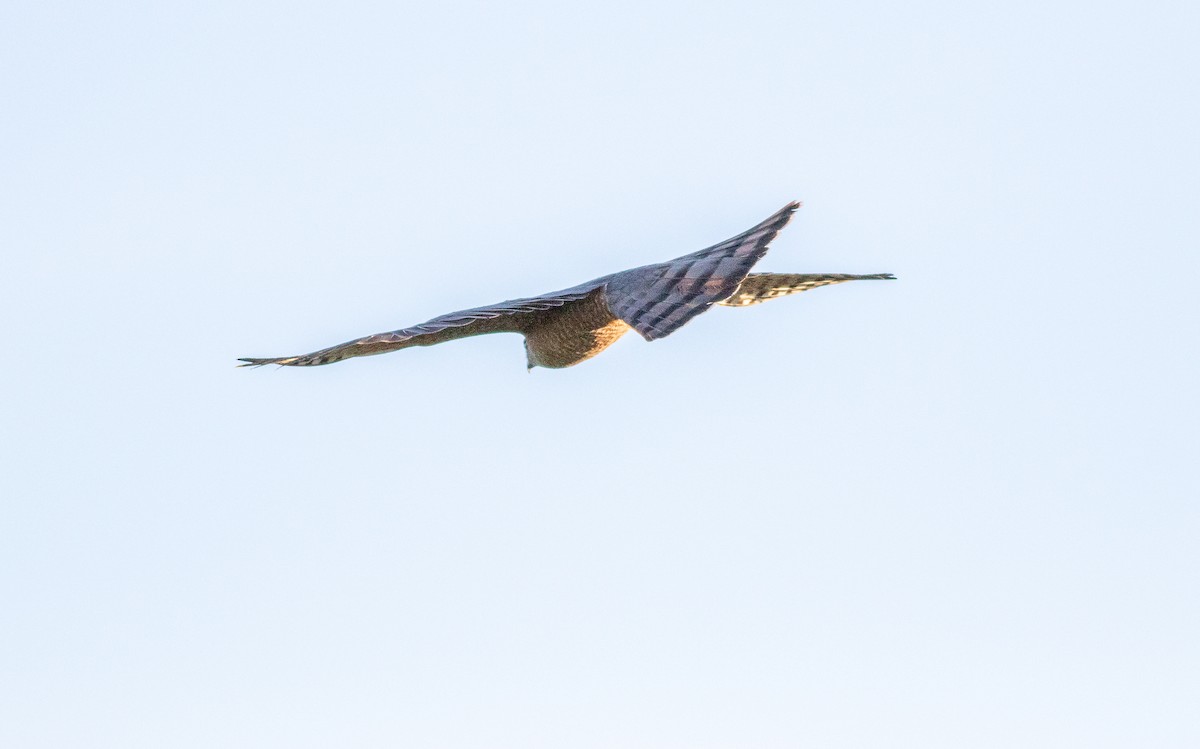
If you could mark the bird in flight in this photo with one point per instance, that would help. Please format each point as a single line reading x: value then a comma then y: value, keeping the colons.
x: 566, y: 327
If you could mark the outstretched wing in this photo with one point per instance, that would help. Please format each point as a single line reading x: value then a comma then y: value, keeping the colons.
x: 656, y: 300
x: 763, y: 287
x: 506, y: 317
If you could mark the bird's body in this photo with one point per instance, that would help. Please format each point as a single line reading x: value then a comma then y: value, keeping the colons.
x: 573, y: 333
x: 566, y: 327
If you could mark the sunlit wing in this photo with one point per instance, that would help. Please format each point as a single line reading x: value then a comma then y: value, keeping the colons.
x: 763, y: 287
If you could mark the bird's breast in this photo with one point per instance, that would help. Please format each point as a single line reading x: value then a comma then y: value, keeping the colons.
x: 573, y: 333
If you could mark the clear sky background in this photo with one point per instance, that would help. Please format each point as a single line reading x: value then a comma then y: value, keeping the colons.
x: 955, y: 510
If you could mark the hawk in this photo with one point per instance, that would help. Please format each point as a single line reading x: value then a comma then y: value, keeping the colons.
x: 564, y: 328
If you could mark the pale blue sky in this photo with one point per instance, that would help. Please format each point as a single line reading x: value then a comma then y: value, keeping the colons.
x: 955, y: 510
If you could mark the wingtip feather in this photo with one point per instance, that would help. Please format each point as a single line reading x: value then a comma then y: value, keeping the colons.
x: 258, y: 362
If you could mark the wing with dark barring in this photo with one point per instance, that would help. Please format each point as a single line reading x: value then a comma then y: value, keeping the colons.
x: 656, y: 300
